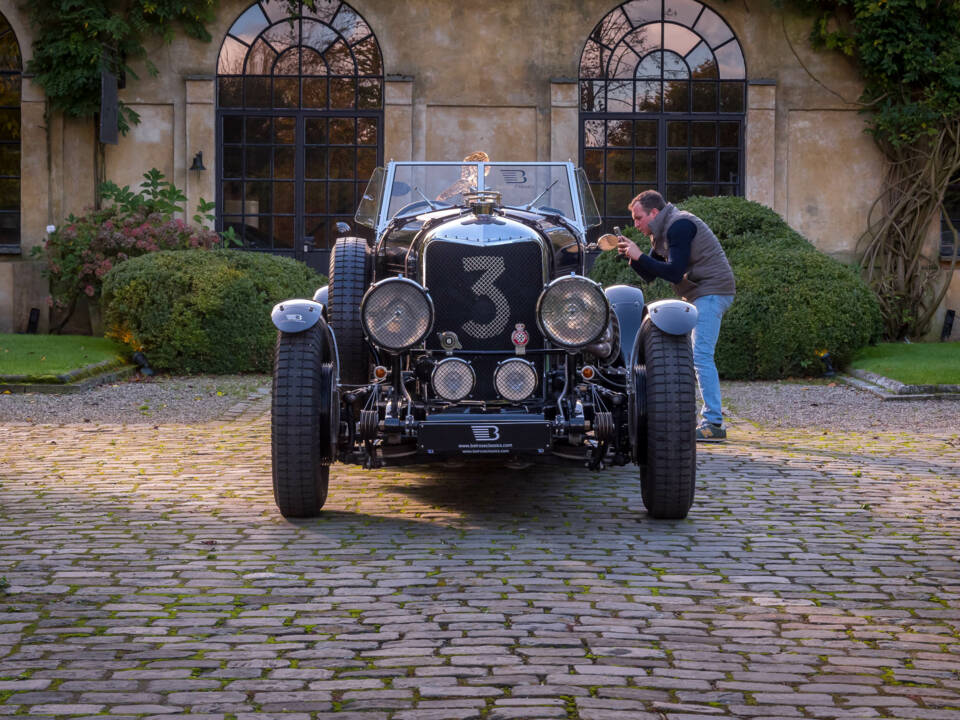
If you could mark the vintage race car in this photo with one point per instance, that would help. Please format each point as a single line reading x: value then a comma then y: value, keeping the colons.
x: 467, y: 331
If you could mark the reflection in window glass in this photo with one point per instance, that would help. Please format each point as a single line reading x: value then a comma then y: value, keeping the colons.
x: 620, y: 96
x: 730, y: 60
x: 684, y: 12
x: 594, y: 134
x: 676, y: 96
x: 642, y: 11
x: 231, y: 57
x: 674, y: 67
x: 679, y: 39
x: 712, y: 28
x: 619, y: 133
x: 623, y: 62
x: 593, y: 96
x: 651, y: 66
x: 702, y: 62
x: 648, y: 95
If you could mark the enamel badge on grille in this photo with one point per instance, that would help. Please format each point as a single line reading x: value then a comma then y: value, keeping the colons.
x: 520, y: 337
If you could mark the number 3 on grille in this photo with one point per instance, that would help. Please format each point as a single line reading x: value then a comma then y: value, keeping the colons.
x: 493, y: 268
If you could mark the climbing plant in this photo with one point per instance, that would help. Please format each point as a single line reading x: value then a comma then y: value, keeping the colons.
x: 76, y: 39
x: 908, y: 54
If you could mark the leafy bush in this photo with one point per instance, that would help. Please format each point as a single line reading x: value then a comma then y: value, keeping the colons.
x: 192, y: 311
x: 793, y: 302
x: 83, y: 249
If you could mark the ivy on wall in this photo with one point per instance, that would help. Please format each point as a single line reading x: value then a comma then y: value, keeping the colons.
x: 908, y: 54
x: 76, y: 39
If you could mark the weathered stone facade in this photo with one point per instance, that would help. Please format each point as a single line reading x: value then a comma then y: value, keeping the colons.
x: 459, y: 77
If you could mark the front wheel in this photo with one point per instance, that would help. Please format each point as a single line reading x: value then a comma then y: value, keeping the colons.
x: 304, y: 423
x: 667, y: 483
x: 349, y: 278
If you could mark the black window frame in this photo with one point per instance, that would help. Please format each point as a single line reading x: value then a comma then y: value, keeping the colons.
x: 313, y: 233
x: 14, y: 74
x: 614, y: 32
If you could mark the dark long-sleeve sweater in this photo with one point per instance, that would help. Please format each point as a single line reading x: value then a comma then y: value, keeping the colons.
x: 653, y: 266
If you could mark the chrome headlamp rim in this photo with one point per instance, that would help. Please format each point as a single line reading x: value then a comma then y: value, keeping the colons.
x: 593, y: 286
x: 384, y: 283
x: 515, y: 360
x: 455, y: 361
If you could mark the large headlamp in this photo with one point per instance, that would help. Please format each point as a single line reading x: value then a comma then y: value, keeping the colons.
x: 573, y: 311
x: 397, y: 313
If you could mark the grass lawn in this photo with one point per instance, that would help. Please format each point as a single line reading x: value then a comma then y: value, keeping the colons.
x: 38, y: 355
x: 913, y: 364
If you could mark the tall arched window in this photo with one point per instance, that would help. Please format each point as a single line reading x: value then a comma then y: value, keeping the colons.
x: 662, y: 105
x: 300, y: 117
x: 11, y: 69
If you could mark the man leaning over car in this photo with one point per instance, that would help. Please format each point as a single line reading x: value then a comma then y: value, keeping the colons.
x: 685, y: 252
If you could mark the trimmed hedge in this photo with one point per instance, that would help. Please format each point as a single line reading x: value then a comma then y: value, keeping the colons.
x: 792, y: 300
x: 194, y: 311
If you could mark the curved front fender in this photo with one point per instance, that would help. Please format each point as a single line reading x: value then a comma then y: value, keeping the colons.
x: 627, y: 303
x: 293, y: 316
x: 675, y: 317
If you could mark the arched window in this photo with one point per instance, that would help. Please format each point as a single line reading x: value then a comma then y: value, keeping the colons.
x: 662, y: 105
x: 11, y: 69
x: 300, y: 117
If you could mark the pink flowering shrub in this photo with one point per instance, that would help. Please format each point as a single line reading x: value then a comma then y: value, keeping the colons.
x: 83, y: 249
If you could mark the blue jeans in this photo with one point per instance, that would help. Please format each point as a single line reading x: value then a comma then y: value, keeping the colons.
x: 710, y: 310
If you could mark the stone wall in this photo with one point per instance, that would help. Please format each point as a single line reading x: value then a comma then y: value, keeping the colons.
x: 465, y: 76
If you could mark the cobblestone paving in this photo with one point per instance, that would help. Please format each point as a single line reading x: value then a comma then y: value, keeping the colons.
x: 149, y: 573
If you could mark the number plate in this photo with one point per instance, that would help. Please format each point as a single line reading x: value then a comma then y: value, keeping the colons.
x: 479, y: 435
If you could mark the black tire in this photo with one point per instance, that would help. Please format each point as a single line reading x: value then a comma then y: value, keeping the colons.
x: 349, y: 279
x: 668, y: 481
x: 305, y: 422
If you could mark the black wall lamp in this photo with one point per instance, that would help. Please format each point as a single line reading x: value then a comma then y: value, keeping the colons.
x: 198, y: 161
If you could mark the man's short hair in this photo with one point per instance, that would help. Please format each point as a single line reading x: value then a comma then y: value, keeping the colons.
x: 649, y: 200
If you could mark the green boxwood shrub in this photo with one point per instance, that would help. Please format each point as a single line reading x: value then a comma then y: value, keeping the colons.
x: 792, y: 300
x: 203, y: 311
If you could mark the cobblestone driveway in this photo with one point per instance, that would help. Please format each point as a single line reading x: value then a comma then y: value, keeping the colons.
x: 149, y: 573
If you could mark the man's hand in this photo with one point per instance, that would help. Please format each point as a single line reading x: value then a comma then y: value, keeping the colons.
x: 627, y: 248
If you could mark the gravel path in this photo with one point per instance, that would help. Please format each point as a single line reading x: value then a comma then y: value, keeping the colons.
x: 141, y: 401
x: 197, y: 399
x: 837, y: 407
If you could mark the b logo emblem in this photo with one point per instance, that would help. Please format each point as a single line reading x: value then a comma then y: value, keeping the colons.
x: 485, y: 433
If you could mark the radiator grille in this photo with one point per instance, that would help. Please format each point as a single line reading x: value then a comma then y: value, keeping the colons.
x: 481, y: 293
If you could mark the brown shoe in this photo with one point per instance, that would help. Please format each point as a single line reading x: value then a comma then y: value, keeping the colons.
x: 708, y: 432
